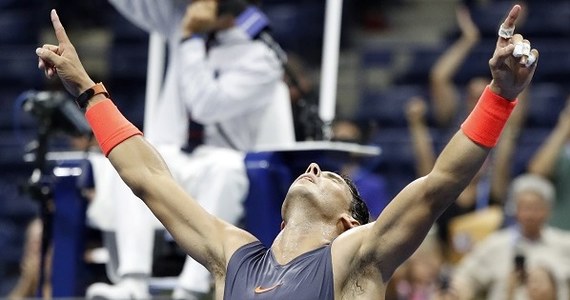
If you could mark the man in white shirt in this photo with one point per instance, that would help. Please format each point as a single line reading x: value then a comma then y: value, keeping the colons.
x: 234, y: 88
x: 529, y: 242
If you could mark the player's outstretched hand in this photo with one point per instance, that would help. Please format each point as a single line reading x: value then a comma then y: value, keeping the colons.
x: 62, y: 60
x: 513, y: 63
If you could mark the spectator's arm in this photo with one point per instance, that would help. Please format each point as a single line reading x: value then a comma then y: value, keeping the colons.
x: 443, y: 91
x: 421, y: 139
x: 544, y: 161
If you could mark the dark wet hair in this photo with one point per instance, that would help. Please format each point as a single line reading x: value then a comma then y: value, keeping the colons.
x: 358, y: 208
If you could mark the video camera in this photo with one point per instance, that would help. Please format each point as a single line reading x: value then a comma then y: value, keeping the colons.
x: 56, y: 111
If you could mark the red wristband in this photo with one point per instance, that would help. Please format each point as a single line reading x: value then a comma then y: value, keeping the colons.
x: 485, y: 123
x: 109, y: 125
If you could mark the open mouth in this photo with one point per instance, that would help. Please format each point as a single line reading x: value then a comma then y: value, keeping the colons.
x: 307, y: 177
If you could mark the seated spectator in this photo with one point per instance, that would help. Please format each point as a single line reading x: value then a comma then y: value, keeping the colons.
x: 487, y: 269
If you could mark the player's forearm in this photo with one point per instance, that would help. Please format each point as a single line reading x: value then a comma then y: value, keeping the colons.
x: 137, y: 162
x: 455, y: 167
x: 133, y: 157
x: 465, y: 153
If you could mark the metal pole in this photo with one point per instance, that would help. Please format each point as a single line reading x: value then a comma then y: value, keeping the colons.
x: 154, y: 75
x: 329, y: 65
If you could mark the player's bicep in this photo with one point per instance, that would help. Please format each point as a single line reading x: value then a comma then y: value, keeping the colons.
x: 400, y: 228
x: 199, y: 233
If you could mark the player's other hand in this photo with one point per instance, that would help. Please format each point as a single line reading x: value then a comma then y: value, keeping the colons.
x: 62, y: 60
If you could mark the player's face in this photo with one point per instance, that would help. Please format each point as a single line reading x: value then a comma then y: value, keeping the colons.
x: 327, y: 190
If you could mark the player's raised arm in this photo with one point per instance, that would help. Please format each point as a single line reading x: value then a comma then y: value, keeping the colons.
x: 206, y: 238
x: 405, y: 222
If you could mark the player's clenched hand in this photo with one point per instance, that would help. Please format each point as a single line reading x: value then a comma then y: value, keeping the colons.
x: 513, y: 63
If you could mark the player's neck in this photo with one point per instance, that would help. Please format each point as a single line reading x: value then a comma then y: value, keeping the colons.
x: 298, y: 237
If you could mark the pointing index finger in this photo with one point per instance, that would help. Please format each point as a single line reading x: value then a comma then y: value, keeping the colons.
x: 58, y: 27
x: 512, y: 17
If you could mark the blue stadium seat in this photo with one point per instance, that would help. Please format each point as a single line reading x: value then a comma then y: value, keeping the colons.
x: 18, y: 27
x: 128, y: 62
x: 396, y: 162
x: 476, y: 64
x: 8, y: 4
x: 387, y: 107
x: 298, y: 26
x: 12, y: 114
x: 422, y: 60
x: 372, y: 57
x: 20, y: 67
x: 544, y: 19
x: 545, y: 104
x: 529, y: 142
x: 554, y: 62
x: 125, y: 32
x: 269, y: 181
x: 13, y: 149
x: 130, y: 98
x: 547, y: 19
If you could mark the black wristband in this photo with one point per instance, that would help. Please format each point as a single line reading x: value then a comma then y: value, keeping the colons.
x: 82, y: 99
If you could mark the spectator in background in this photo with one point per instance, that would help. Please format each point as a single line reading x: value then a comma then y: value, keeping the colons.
x: 494, y: 261
x: 552, y: 160
x: 372, y: 187
x: 229, y: 82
